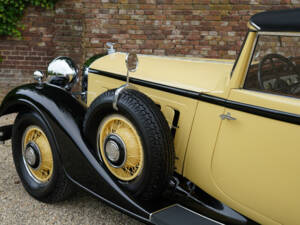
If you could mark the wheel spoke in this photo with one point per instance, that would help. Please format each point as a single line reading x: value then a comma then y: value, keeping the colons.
x: 122, y: 127
x: 131, y: 164
x: 106, y: 131
x: 115, y: 125
x: 133, y: 161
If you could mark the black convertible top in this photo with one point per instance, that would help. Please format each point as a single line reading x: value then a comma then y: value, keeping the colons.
x: 280, y: 20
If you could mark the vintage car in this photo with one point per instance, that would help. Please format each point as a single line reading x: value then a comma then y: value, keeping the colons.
x: 170, y: 140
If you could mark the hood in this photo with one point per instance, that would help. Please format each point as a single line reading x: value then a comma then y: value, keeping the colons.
x: 195, y: 74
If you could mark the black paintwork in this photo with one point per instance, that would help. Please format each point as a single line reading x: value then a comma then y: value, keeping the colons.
x: 5, y: 132
x: 178, y: 215
x: 173, y: 90
x: 279, y: 20
x: 64, y: 115
x: 257, y: 110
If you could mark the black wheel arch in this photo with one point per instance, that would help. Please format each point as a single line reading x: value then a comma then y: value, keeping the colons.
x: 64, y: 115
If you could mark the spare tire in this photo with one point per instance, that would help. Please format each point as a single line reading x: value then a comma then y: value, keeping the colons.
x: 134, y: 143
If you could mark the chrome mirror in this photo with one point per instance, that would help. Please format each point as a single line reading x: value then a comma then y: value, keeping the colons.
x: 63, y: 72
x: 132, y: 62
x: 38, y: 76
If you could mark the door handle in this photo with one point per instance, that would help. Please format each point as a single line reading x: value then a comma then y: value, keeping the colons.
x: 227, y: 116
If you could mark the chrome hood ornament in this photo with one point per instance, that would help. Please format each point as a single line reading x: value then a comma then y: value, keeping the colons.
x: 110, y: 48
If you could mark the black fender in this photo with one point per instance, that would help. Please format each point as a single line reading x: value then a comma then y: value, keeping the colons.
x: 64, y: 116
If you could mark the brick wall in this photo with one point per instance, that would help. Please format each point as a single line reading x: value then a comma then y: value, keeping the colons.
x: 47, y: 34
x: 80, y: 28
x: 203, y: 28
x: 21, y: 57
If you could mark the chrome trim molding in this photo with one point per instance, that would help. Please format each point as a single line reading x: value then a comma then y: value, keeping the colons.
x: 255, y: 26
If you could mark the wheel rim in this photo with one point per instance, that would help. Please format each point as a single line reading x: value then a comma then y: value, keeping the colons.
x: 37, y: 154
x: 125, y: 142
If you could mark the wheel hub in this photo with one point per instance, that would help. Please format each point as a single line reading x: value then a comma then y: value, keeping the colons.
x: 32, y: 155
x: 112, y: 151
x: 115, y: 150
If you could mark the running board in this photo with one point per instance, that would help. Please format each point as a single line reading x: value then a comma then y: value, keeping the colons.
x: 178, y: 215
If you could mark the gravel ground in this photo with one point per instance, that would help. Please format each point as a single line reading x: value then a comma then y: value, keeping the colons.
x: 17, y: 207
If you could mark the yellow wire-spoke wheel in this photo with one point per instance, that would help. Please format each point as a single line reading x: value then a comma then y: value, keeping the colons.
x: 37, y: 154
x: 120, y: 147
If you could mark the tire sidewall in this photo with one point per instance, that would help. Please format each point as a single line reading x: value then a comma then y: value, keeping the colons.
x: 34, y: 188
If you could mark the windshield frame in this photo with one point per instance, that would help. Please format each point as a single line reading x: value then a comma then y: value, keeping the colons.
x: 265, y: 33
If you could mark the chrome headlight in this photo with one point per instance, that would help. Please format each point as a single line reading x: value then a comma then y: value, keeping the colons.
x: 63, y: 72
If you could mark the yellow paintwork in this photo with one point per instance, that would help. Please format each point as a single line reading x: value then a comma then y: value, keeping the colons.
x: 201, y: 75
x: 44, y: 172
x: 238, y: 162
x: 240, y: 70
x: 200, y: 153
x: 271, y: 101
x: 168, y: 102
x: 265, y: 166
x: 134, y: 162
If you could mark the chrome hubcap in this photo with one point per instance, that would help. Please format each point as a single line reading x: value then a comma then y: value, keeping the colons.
x: 112, y: 151
x: 32, y: 155
x: 115, y: 150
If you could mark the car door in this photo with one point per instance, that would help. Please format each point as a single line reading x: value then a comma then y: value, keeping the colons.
x: 257, y: 155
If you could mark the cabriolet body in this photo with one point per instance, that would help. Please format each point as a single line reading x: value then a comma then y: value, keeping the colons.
x: 175, y: 141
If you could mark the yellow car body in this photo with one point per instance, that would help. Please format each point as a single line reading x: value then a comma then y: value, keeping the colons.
x: 239, y: 162
x: 229, y: 141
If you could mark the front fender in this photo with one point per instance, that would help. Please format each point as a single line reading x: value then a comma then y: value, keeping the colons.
x: 64, y: 115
